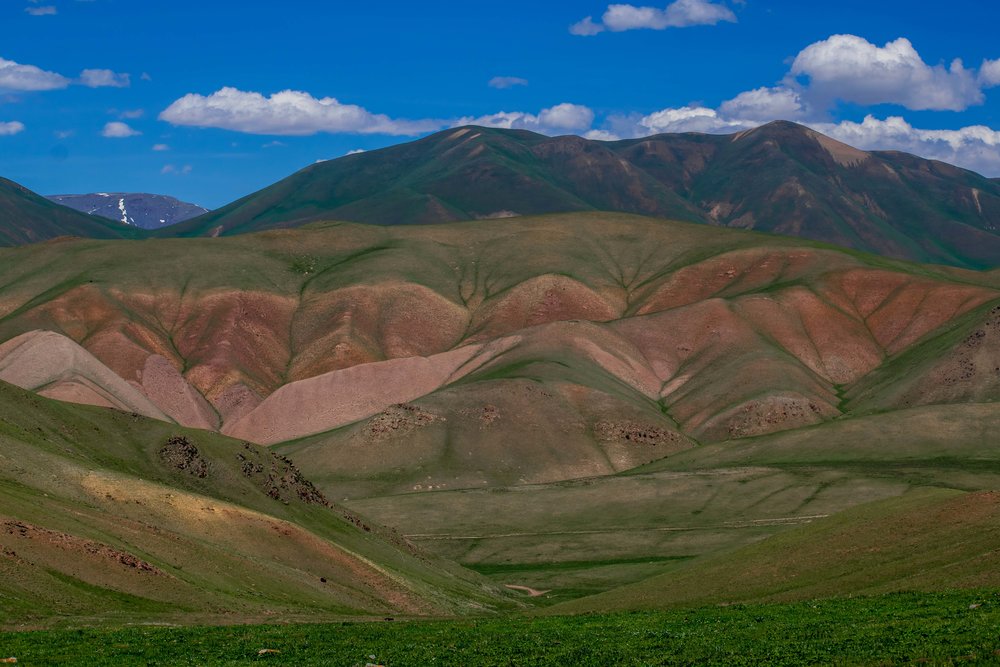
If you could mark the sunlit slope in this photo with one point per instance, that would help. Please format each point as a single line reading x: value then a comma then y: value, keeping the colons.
x: 927, y: 540
x: 579, y: 537
x: 713, y: 333
x: 782, y: 178
x: 560, y: 401
x: 106, y: 516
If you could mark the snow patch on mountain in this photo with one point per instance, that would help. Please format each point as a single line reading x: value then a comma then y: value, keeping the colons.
x: 143, y: 210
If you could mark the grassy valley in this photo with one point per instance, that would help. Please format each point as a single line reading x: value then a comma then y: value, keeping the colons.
x: 568, y: 415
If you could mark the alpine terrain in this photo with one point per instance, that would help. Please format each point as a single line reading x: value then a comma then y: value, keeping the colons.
x: 141, y: 210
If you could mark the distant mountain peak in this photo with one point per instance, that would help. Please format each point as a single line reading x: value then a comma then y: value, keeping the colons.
x: 142, y: 210
x: 26, y: 217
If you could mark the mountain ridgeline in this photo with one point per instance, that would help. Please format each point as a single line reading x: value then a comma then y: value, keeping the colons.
x: 139, y: 209
x: 26, y: 217
x: 782, y: 178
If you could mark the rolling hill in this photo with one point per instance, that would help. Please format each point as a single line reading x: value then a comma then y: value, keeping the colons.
x: 544, y: 349
x: 781, y: 178
x: 26, y: 217
x: 925, y: 540
x: 567, y: 403
x: 107, y: 517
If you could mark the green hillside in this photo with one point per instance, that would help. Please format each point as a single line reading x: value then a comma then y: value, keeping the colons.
x: 923, y: 541
x: 107, y: 517
x: 26, y: 217
x: 781, y: 178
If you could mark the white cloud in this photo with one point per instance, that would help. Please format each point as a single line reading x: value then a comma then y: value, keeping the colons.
x: 356, y: 151
x: 64, y: 134
x: 852, y: 69
x: 560, y: 119
x: 104, y: 78
x: 132, y: 114
x: 173, y: 169
x: 274, y: 144
x: 586, y: 28
x: 14, y: 76
x: 11, y: 128
x: 765, y: 104
x: 975, y: 147
x: 989, y: 73
x: 678, y: 14
x: 687, y: 119
x: 289, y: 112
x: 118, y: 130
x: 159, y: 148
x: 502, y: 82
x: 601, y: 135
x: 46, y: 10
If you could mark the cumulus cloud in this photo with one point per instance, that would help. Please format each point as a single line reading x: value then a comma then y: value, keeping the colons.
x: 687, y: 119
x: 601, y: 135
x: 989, y: 73
x: 852, y: 69
x: 174, y: 169
x: 974, y: 147
x: 118, y: 130
x: 586, y: 28
x: 678, y: 14
x: 765, y: 104
x: 45, y: 10
x: 104, y: 78
x: 502, y: 82
x: 11, y: 128
x: 561, y: 119
x: 14, y: 76
x: 289, y: 112
x: 159, y: 148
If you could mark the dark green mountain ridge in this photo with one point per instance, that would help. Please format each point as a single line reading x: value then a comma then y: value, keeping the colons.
x: 782, y: 178
x: 26, y: 217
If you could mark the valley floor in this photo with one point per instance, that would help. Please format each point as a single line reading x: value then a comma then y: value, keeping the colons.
x: 901, y: 628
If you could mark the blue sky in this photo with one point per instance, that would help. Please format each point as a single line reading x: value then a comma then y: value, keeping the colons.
x: 186, y: 98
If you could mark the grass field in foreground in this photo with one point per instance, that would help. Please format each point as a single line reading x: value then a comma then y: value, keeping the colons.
x: 902, y: 628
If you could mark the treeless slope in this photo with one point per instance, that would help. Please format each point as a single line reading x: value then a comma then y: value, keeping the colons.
x: 55, y: 366
x: 731, y: 333
x: 26, y: 217
x: 944, y: 436
x: 337, y: 398
x: 108, y: 516
x: 782, y: 178
x: 559, y: 401
x: 959, y: 365
x: 926, y: 540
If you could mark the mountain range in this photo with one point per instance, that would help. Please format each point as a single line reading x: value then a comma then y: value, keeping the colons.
x: 26, y: 217
x: 782, y: 178
x: 141, y: 210
x: 582, y: 409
